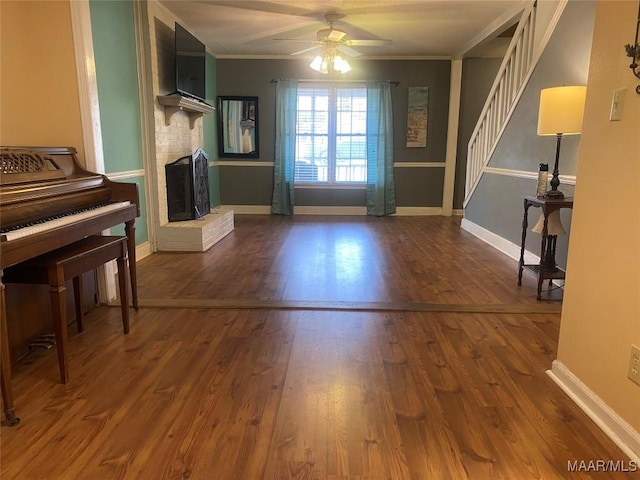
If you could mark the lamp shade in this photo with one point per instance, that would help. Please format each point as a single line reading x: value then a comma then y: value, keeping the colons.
x: 561, y: 110
x: 554, y: 225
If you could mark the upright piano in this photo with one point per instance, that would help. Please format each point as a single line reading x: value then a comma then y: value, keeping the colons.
x: 48, y: 200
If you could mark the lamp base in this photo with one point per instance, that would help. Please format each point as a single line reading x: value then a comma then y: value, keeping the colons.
x: 554, y: 195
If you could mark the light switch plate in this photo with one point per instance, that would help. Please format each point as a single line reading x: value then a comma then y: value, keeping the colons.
x: 617, y: 104
x: 634, y: 365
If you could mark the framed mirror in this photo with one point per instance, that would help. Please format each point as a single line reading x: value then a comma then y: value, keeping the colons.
x: 238, y: 127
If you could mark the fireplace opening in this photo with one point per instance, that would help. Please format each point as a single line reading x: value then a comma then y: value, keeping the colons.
x: 188, y: 187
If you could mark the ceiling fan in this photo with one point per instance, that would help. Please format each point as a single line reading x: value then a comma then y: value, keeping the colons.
x: 335, y: 39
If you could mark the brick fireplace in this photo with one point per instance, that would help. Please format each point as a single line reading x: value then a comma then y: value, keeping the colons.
x: 177, y: 136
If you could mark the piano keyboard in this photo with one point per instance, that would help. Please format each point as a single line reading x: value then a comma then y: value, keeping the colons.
x: 50, y: 224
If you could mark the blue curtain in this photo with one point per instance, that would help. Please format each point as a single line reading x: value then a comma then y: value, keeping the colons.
x: 286, y: 109
x: 381, y: 189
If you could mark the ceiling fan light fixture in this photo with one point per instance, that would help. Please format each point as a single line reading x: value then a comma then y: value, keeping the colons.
x: 341, y: 65
x: 332, y: 40
x: 322, y: 63
x: 319, y: 64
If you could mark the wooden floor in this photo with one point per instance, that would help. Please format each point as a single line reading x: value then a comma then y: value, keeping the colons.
x: 312, y: 348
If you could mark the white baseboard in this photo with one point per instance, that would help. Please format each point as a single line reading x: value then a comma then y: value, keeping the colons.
x: 249, y: 209
x: 418, y: 211
x: 335, y: 210
x: 505, y: 246
x: 617, y: 429
x: 143, y: 250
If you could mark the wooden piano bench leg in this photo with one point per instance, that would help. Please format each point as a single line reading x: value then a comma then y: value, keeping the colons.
x: 59, y: 313
x: 121, y: 261
x: 77, y: 295
x: 130, y: 232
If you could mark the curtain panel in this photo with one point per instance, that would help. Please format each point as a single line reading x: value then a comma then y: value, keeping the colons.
x: 381, y: 190
x: 285, y: 146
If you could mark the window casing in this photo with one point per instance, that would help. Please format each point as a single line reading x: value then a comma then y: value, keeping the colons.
x: 331, y: 128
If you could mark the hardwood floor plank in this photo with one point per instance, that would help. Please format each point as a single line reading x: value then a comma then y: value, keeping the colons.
x: 356, y: 395
x: 429, y: 447
x: 311, y: 348
x: 325, y: 259
x: 349, y: 306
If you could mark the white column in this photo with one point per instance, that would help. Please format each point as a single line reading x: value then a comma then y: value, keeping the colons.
x: 90, y: 118
x: 452, y: 137
x: 87, y: 85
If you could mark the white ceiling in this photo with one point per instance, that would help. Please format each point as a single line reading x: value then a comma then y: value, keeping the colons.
x: 417, y: 28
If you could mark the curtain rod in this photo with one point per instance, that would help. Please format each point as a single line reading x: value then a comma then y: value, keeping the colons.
x: 392, y: 82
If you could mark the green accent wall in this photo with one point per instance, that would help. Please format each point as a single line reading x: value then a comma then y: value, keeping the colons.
x: 211, y: 131
x: 142, y: 235
x: 114, y: 49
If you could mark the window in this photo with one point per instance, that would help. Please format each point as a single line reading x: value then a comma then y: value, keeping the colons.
x: 331, y: 136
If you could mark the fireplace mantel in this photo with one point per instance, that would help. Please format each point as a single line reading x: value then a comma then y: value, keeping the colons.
x: 176, y: 102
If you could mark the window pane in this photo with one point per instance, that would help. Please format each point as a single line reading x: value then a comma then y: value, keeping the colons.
x: 351, y: 160
x: 311, y: 158
x: 351, y: 128
x: 331, y: 135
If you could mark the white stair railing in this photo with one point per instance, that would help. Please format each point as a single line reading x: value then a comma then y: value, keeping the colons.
x: 502, y: 99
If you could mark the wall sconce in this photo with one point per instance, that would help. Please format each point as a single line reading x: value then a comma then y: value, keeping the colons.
x: 633, y: 51
x: 561, y: 112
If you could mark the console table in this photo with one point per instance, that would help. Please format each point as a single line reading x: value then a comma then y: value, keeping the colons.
x: 546, y: 269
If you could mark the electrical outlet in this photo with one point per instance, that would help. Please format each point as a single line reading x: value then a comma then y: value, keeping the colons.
x: 634, y: 365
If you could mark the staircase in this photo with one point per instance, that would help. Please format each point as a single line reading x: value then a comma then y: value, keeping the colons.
x: 515, y: 70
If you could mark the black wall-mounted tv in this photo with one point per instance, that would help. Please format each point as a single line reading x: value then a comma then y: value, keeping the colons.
x: 190, y: 64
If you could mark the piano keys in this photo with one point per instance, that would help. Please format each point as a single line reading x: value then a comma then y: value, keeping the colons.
x: 48, y: 200
x: 63, y: 220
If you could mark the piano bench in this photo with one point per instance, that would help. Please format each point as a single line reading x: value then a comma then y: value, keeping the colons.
x: 70, y: 262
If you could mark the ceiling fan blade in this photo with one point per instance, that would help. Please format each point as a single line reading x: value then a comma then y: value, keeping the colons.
x: 300, y: 40
x: 348, y: 51
x: 371, y: 43
x: 300, y: 52
x: 335, y: 35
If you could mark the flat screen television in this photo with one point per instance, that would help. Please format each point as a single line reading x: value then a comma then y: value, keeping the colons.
x: 190, y: 64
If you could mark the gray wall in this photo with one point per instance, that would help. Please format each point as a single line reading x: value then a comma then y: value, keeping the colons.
x: 416, y: 187
x: 497, y: 202
x: 478, y: 75
x: 209, y: 125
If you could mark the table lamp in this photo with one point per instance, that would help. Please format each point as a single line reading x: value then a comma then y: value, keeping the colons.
x: 561, y: 112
